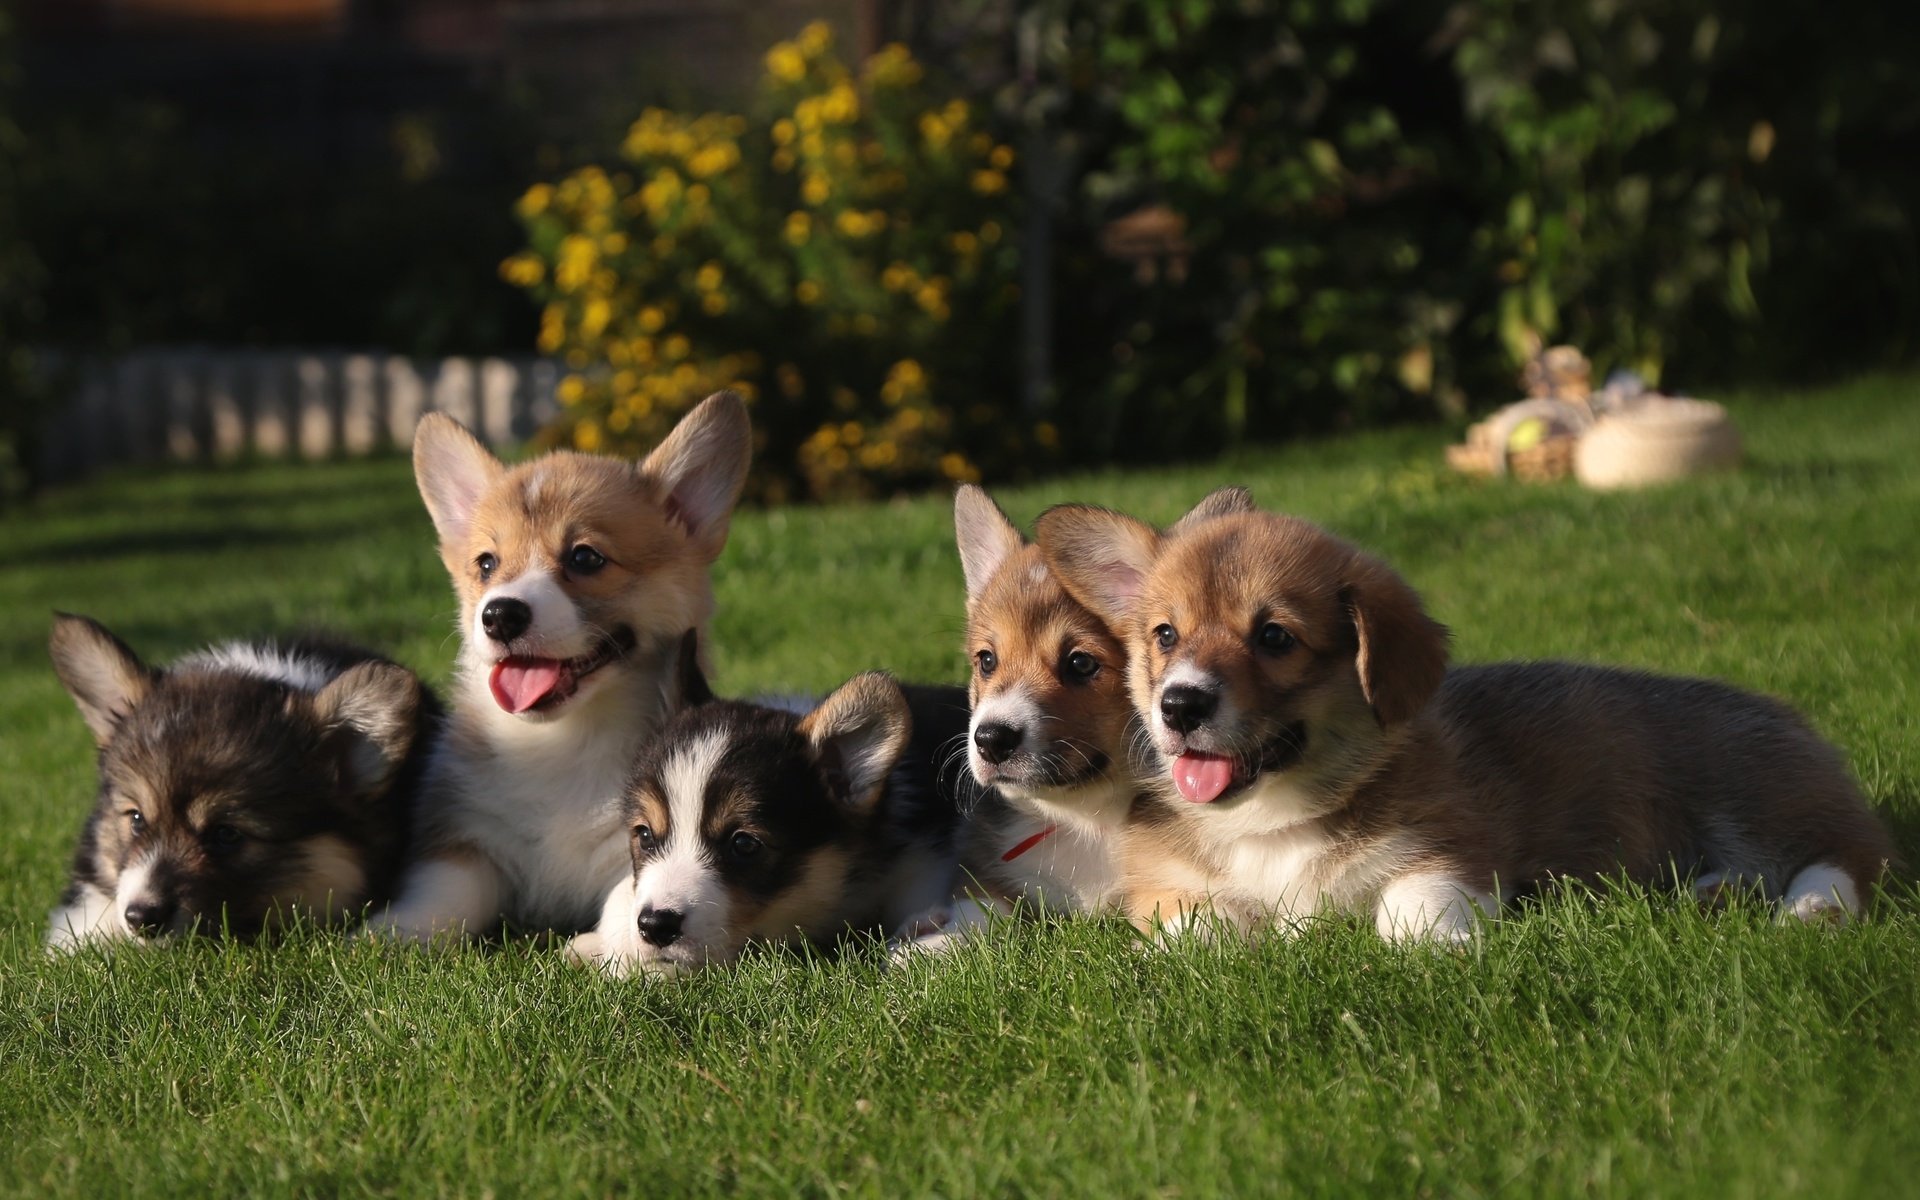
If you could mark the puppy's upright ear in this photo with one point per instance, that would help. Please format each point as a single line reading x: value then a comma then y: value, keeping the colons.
x: 1220, y: 502
x: 453, y: 470
x: 701, y: 467
x: 1101, y: 556
x: 858, y: 734
x: 1402, y: 655
x: 371, y: 712
x: 689, y: 679
x: 104, y: 677
x: 985, y: 535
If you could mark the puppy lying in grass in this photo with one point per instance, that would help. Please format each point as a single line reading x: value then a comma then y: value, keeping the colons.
x: 1315, y: 753
x: 1052, y: 737
x: 748, y: 823
x: 241, y: 785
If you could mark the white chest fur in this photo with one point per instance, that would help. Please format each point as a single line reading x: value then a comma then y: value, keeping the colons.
x: 543, y: 802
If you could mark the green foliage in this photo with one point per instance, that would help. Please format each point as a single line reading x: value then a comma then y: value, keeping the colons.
x: 839, y: 255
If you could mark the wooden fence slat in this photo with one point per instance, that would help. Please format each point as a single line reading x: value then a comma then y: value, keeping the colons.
x: 189, y: 404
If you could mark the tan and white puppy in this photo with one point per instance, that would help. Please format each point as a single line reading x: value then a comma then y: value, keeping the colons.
x: 240, y: 785
x: 1052, y: 742
x: 577, y: 576
x: 1316, y: 754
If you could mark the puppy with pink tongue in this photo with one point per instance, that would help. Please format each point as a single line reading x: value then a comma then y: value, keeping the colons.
x: 1320, y: 756
x: 577, y: 577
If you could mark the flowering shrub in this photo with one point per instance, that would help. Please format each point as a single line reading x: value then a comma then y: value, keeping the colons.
x: 840, y: 256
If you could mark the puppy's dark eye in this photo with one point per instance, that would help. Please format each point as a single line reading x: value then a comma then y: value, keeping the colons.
x: 987, y: 661
x: 486, y: 563
x: 136, y: 819
x: 1081, y: 665
x: 1275, y: 638
x: 224, y: 837
x: 643, y: 837
x: 1165, y: 636
x: 744, y: 845
x: 585, y: 560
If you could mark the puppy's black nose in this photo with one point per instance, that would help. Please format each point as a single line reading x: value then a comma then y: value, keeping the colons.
x: 149, y: 918
x: 661, y: 926
x: 1185, y: 708
x: 997, y: 742
x: 505, y: 619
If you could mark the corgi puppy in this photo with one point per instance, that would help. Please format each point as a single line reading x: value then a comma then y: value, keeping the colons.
x: 1052, y: 732
x: 576, y: 576
x: 1051, y: 742
x: 747, y: 823
x: 1315, y: 752
x: 240, y: 785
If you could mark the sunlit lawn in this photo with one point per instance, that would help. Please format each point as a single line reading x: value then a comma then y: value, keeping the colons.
x: 1625, y: 1046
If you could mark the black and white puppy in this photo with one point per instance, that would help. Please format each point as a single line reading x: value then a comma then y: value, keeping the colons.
x: 241, y: 784
x: 749, y: 823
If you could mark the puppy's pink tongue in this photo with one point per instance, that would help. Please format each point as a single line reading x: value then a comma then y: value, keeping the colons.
x: 520, y: 683
x: 1202, y: 777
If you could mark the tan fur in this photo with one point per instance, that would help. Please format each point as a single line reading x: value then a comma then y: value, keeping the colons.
x: 531, y: 798
x: 1493, y: 779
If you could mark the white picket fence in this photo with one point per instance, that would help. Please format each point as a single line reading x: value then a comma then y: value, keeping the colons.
x: 208, y: 405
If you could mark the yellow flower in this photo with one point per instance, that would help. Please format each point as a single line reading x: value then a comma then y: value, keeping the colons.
x: 964, y: 243
x: 675, y: 348
x: 782, y: 160
x: 535, y: 200
x: 586, y: 436
x: 799, y: 228
x: 893, y: 66
x: 807, y: 292
x: 711, y: 160
x: 1001, y: 158
x: 851, y: 433
x: 840, y: 105
x: 571, y: 390
x: 956, y: 467
x: 651, y: 319
x: 594, y: 317
x: 815, y: 189
x: 709, y: 277
x: 713, y: 303
x: 858, y: 224
x: 614, y: 244
x: 783, y: 131
x: 990, y: 232
x: 523, y: 270
x: 618, y: 420
x: 553, y: 329
x: 932, y: 297
x: 935, y: 131
x: 578, y: 256
x: 816, y: 39
x: 845, y: 398
x: 989, y: 183
x: 898, y: 277
x: 786, y: 63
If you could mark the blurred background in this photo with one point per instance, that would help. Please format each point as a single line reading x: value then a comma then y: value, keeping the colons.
x: 931, y: 240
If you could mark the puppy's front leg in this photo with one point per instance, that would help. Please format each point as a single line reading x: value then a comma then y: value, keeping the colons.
x: 455, y: 894
x: 1431, y: 904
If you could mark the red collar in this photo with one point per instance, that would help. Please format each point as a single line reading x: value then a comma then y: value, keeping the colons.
x: 1028, y: 844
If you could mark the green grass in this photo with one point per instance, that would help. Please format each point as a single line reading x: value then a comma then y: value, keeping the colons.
x: 1618, y: 1046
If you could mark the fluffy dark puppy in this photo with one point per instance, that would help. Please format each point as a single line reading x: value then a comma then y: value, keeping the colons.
x: 244, y: 783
